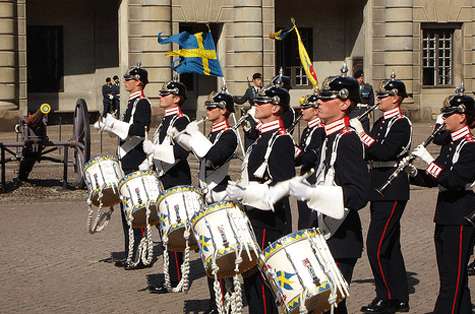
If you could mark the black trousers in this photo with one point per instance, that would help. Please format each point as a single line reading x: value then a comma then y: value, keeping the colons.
x: 307, y: 217
x: 346, y: 266
x: 384, y: 250
x: 260, y: 297
x: 453, y: 246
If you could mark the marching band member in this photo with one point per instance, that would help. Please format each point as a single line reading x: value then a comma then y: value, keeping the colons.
x: 169, y: 160
x: 308, y: 152
x: 214, y: 165
x: 454, y: 172
x: 342, y: 181
x: 267, y: 167
x: 387, y: 143
x: 131, y: 131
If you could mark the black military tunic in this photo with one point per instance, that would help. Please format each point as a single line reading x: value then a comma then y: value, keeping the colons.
x: 139, y: 110
x: 268, y: 225
x: 387, y: 143
x: 141, y: 119
x: 179, y: 174
x: 306, y: 155
x: 454, y: 172
x: 351, y: 174
x: 224, y: 141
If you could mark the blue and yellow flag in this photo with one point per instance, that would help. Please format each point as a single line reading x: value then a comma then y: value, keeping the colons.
x: 197, y: 53
x: 281, y: 33
x: 305, y: 59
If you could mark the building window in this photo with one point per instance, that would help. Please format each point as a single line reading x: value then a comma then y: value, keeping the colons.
x: 45, y: 59
x: 437, y: 57
x: 287, y: 56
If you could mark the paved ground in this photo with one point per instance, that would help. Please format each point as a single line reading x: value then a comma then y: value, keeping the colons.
x: 52, y: 265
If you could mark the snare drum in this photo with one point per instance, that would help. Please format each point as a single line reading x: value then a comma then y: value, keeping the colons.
x: 102, y: 175
x: 222, y: 230
x: 137, y: 191
x: 294, y: 267
x: 176, y: 207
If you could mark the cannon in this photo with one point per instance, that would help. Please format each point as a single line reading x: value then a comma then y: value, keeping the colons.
x: 30, y: 132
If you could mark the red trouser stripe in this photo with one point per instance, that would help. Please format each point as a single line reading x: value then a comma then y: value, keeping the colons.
x: 378, y: 252
x: 459, y: 269
x: 263, y: 291
x: 177, y: 267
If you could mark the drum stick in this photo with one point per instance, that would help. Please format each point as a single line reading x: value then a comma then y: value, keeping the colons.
x: 149, y: 156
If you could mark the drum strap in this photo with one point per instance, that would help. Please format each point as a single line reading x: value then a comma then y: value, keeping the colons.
x: 132, y: 141
x: 209, y: 179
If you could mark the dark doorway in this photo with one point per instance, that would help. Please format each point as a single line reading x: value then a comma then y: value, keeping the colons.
x: 45, y: 59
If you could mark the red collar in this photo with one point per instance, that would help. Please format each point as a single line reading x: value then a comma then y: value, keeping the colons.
x: 224, y: 125
x: 460, y: 133
x: 173, y: 111
x: 392, y: 113
x: 134, y: 95
x: 337, y: 126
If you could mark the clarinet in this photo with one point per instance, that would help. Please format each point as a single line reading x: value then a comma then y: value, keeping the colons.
x: 367, y: 112
x: 407, y: 161
x: 240, y: 121
x: 297, y: 120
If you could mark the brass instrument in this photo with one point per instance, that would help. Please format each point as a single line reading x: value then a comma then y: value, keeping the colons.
x: 407, y: 161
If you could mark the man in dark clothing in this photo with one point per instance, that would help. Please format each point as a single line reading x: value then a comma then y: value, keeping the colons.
x: 267, y: 167
x: 107, y: 97
x: 131, y: 132
x: 366, y: 99
x: 342, y: 181
x: 453, y: 171
x: 385, y: 146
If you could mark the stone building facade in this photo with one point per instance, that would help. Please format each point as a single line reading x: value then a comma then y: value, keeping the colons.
x: 57, y: 51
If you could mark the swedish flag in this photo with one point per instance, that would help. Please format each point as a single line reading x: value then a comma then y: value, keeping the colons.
x: 197, y: 53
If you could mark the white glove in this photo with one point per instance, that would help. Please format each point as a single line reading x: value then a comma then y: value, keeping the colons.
x: 356, y: 124
x: 99, y: 125
x: 300, y: 190
x: 109, y: 120
x: 192, y: 127
x: 111, y: 97
x: 184, y: 140
x: 148, y: 147
x: 234, y: 191
x: 440, y: 119
x: 423, y: 154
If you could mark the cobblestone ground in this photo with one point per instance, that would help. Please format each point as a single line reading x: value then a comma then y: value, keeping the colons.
x: 50, y: 264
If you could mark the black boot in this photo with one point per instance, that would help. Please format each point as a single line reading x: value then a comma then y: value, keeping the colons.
x: 378, y: 306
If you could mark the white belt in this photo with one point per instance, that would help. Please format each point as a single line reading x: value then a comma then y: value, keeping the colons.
x: 383, y: 164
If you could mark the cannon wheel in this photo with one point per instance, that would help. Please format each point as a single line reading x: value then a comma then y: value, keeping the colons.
x: 82, y: 139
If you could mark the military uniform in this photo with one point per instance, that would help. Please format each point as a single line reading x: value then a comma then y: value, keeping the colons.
x: 268, y: 162
x: 342, y: 181
x: 454, y: 172
x: 351, y: 173
x: 388, y: 142
x: 307, y: 152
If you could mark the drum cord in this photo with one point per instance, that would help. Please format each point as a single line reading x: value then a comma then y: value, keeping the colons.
x: 145, y: 248
x: 218, y: 295
x: 236, y: 302
x: 183, y: 285
x: 102, y: 218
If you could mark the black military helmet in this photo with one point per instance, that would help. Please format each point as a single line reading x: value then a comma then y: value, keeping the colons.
x: 137, y: 73
x: 309, y: 101
x: 460, y: 103
x: 392, y: 87
x: 275, y: 95
x: 173, y: 87
x: 281, y: 80
x: 222, y: 99
x: 343, y: 87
